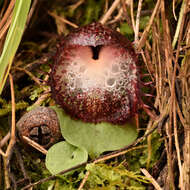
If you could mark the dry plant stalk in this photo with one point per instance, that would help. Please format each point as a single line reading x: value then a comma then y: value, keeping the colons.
x: 184, y: 75
x: 9, y: 150
x: 5, y: 21
x: 167, y: 67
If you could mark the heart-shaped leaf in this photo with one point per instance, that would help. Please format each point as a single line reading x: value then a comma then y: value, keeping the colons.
x: 63, y: 155
x: 95, y: 138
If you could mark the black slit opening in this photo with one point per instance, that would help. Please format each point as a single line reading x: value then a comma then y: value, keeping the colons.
x: 95, y: 52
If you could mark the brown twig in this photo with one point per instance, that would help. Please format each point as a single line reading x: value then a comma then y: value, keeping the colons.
x: 7, y: 13
x: 35, y: 145
x: 169, y: 69
x: 173, y: 9
x: 125, y: 13
x: 84, y: 180
x: 35, y: 79
x: 13, y: 128
x: 32, y: 9
x: 153, y: 181
x: 181, y: 28
x: 42, y: 98
x: 132, y: 15
x: 45, y: 95
x: 117, y: 17
x: 138, y: 21
x: 106, y: 6
x: 12, y: 141
x: 3, y: 8
x: 4, y: 29
x: 147, y: 29
x: 174, y: 104
x: 181, y: 178
x: 63, y: 19
x: 109, y: 12
x: 76, y: 5
x: 5, y: 139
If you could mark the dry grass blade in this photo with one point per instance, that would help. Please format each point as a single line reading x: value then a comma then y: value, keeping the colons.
x: 7, y: 14
x: 169, y: 68
x: 13, y: 128
x: 138, y: 21
x: 5, y: 27
x: 35, y: 145
x: 155, y: 184
x: 181, y: 16
x: 147, y: 29
x: 63, y: 20
x: 84, y: 180
x: 184, y: 75
x: 9, y: 151
x: 109, y: 12
x: 182, y: 20
x: 132, y: 15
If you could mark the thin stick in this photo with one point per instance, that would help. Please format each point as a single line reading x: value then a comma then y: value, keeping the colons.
x: 179, y: 33
x: 6, y: 26
x: 2, y: 153
x: 35, y: 79
x: 13, y: 137
x: 147, y: 29
x: 110, y: 156
x: 154, y: 182
x: 12, y: 141
x: 63, y: 20
x: 149, y: 142
x: 35, y: 145
x: 179, y: 23
x: 181, y: 30
x: 46, y: 93
x: 42, y: 98
x: 7, y: 13
x: 177, y: 147
x: 76, y: 5
x: 109, y: 12
x: 32, y: 9
x: 84, y: 180
x: 3, y: 8
x: 138, y: 21
x: 117, y: 17
x: 132, y: 16
x: 173, y: 8
x: 5, y: 139
x: 174, y: 101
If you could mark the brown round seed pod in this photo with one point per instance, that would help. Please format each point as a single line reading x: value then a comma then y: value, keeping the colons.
x: 40, y: 125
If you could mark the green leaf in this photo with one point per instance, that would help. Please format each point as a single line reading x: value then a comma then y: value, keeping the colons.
x: 95, y: 138
x: 63, y: 155
x: 13, y: 38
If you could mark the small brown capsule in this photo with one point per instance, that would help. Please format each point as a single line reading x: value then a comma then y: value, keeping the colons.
x: 40, y: 125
